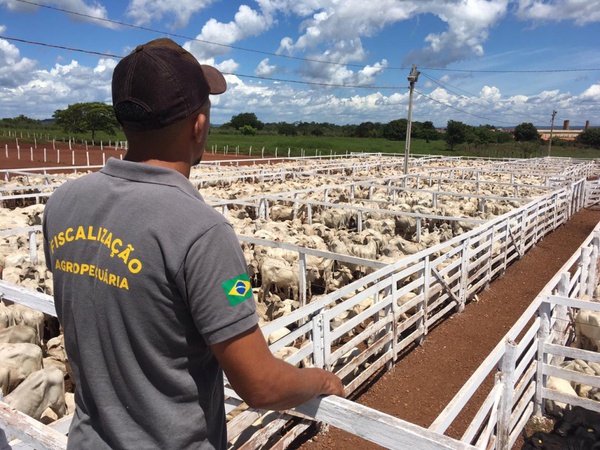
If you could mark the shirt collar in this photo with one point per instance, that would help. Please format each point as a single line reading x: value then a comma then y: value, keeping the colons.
x: 147, y: 173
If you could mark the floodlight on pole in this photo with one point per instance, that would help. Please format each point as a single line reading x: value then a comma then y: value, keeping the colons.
x: 412, y: 78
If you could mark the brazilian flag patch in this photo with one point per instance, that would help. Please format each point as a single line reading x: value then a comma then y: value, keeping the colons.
x: 237, y: 289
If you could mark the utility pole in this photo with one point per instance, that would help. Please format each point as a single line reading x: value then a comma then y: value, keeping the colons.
x: 412, y: 78
x: 551, y: 131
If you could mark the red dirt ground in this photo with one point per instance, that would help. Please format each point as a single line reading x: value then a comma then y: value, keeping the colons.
x: 66, y: 155
x: 423, y: 382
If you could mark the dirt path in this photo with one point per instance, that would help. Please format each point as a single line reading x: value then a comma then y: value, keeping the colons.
x: 422, y: 383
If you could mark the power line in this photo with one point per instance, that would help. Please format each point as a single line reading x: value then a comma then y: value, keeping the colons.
x: 72, y: 49
x: 166, y: 33
x: 473, y: 96
x: 110, y: 55
x: 320, y: 61
x: 460, y: 110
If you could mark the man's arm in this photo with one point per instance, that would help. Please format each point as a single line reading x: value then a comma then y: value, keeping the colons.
x: 265, y: 382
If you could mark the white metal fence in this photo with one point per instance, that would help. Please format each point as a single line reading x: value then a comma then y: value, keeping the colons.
x: 375, y: 318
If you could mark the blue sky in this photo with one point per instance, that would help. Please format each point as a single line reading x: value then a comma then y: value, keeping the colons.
x: 500, y: 62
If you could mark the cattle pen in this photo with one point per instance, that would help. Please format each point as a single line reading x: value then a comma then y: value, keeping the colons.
x: 364, y: 325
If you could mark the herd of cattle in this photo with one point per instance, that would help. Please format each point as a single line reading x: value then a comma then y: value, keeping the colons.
x: 369, y: 224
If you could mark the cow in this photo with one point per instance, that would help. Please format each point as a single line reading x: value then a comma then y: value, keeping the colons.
x: 574, y: 418
x: 17, y: 361
x: 41, y: 390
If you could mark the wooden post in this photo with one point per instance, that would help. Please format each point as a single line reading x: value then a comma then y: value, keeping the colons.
x: 45, y: 154
x: 57, y: 156
x: 72, y: 157
x: 87, y: 158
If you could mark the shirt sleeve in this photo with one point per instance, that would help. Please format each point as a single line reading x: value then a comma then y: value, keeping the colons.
x: 218, y: 290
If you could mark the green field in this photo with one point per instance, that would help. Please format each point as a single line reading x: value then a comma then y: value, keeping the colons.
x: 323, y: 145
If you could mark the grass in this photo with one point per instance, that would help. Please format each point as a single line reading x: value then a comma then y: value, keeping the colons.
x: 325, y: 145
x: 311, y: 145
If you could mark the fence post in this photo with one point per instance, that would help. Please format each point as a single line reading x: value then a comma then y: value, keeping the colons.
x: 32, y: 248
x: 422, y: 308
x: 584, y: 281
x: 302, y: 281
x: 542, y: 357
x: 318, y: 338
x: 464, y: 268
x: 507, y: 367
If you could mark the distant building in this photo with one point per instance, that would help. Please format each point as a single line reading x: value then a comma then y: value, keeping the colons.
x: 566, y: 133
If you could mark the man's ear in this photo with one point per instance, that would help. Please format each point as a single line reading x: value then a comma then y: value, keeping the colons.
x: 199, y: 125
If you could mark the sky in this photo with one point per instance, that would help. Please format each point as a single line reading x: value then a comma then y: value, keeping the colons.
x: 497, y: 62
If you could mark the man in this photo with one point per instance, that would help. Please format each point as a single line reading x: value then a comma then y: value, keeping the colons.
x: 150, y: 283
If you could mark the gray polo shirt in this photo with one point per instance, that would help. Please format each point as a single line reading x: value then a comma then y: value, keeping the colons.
x: 146, y: 276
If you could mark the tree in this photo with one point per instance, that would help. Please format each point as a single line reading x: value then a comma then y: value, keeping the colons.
x: 368, y: 130
x: 287, y: 129
x: 395, y: 130
x: 590, y: 137
x: 526, y: 132
x: 243, y: 119
x: 84, y: 117
x: 456, y: 133
x: 247, y: 130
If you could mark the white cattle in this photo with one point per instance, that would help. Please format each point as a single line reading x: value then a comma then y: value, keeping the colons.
x: 17, y: 361
x: 278, y: 274
x: 18, y: 334
x: 24, y: 315
x: 587, y: 330
x: 42, y: 389
x: 5, y: 316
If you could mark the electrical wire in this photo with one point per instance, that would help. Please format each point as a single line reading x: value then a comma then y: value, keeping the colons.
x: 320, y: 61
x: 474, y: 97
x: 462, y: 111
x: 110, y: 55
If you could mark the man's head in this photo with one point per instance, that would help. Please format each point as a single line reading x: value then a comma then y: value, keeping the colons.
x: 159, y: 84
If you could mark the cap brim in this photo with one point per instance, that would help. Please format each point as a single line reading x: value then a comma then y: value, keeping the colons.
x: 215, y: 80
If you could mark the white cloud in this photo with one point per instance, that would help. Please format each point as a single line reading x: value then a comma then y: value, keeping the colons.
x: 144, y: 12
x: 581, y: 12
x: 491, y: 94
x: 247, y: 22
x: 14, y: 70
x: 83, y: 11
x: 469, y: 22
x: 45, y: 91
x: 591, y: 94
x: 264, y: 69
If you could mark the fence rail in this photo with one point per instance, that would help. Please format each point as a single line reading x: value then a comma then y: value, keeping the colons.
x: 431, y: 284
